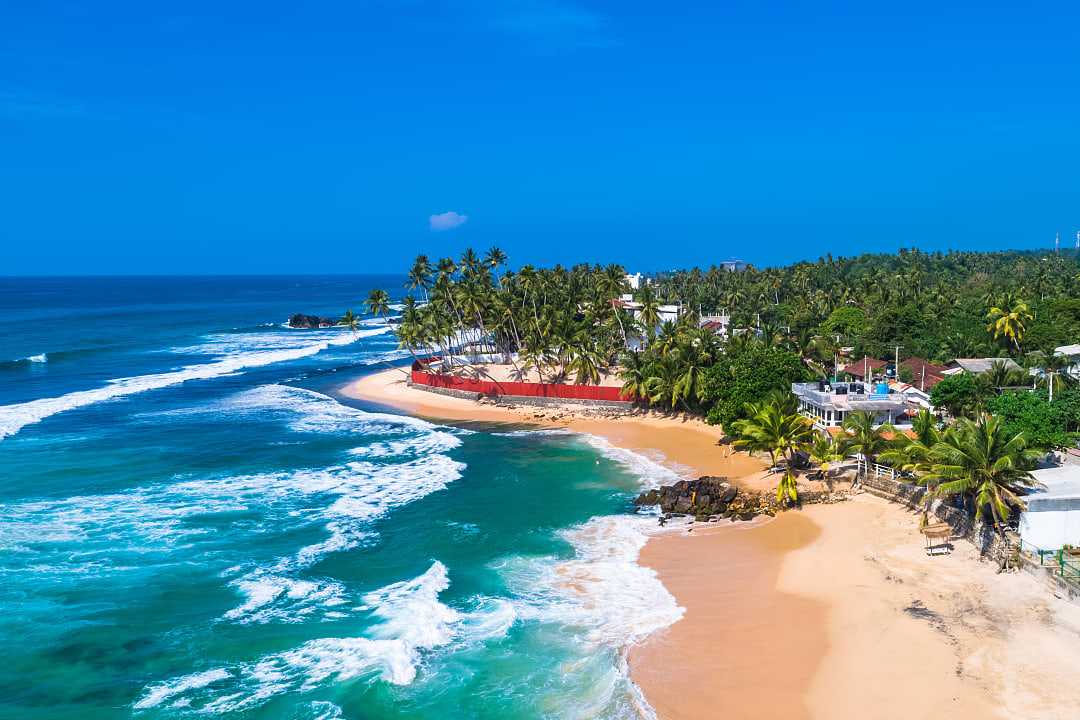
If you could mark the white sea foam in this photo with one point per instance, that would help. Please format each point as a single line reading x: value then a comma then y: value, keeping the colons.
x: 429, y: 443
x: 605, y: 600
x: 650, y: 471
x: 38, y: 358
x: 156, y: 694
x: 17, y: 416
x: 602, y: 593
x: 273, y: 598
x: 158, y: 519
x: 228, y: 344
x: 412, y: 622
x: 310, y: 411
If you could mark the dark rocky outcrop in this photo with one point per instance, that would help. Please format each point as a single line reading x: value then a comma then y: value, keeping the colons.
x: 705, y: 497
x: 714, y: 498
x: 310, y: 322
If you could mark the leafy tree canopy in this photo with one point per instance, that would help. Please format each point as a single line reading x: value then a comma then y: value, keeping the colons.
x: 959, y: 394
x: 1043, y: 424
x: 747, y: 375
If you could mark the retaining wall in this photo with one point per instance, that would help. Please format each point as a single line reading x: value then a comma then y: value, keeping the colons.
x: 518, y: 390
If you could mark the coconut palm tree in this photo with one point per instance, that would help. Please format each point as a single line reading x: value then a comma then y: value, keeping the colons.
x: 984, y: 464
x: 650, y: 310
x: 866, y: 438
x: 774, y: 429
x: 378, y: 302
x: 634, y: 371
x: 419, y: 277
x: 494, y: 258
x: 824, y: 451
x: 349, y: 320
x: 1008, y: 319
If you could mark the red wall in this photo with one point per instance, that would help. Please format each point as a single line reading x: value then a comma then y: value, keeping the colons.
x: 490, y: 387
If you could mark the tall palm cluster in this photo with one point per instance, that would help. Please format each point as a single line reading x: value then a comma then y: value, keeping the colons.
x: 560, y: 322
x: 936, y: 305
x: 975, y: 460
x: 667, y: 372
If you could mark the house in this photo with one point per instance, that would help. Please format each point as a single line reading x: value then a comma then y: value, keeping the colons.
x: 917, y: 398
x: 976, y: 366
x: 1072, y: 352
x: 1052, y: 517
x: 717, y: 324
x: 924, y: 375
x: 733, y: 265
x: 829, y: 404
x: 634, y: 281
x: 864, y: 369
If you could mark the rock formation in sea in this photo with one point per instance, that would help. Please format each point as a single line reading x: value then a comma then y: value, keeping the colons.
x: 310, y: 322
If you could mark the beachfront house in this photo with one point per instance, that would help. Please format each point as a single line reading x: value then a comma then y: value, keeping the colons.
x: 828, y: 404
x: 1052, y: 517
x: 1072, y: 352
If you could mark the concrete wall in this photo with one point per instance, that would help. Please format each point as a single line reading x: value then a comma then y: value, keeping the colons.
x: 1051, y: 529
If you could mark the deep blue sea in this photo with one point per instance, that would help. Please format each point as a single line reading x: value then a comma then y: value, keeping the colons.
x: 193, y: 524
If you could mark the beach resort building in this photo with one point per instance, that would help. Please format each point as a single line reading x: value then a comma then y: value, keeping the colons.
x: 828, y: 404
x: 1052, y: 517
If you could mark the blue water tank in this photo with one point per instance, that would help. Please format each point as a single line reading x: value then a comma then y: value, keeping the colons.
x: 881, y: 388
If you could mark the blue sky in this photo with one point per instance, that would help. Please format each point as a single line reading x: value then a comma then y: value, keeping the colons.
x: 323, y: 137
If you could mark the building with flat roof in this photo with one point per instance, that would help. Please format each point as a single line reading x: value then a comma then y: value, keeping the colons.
x: 829, y: 404
x: 1052, y: 517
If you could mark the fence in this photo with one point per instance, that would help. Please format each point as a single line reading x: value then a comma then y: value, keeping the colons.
x: 596, y: 393
x: 1060, y: 562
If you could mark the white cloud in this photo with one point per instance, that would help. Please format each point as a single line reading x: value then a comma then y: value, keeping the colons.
x: 447, y: 221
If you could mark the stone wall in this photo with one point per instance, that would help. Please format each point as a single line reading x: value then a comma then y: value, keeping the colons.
x: 982, y: 535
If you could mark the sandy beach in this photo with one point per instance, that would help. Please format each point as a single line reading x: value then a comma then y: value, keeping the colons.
x: 687, y: 445
x: 834, y: 611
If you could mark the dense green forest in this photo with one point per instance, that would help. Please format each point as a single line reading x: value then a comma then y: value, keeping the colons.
x: 788, y: 324
x: 935, y: 305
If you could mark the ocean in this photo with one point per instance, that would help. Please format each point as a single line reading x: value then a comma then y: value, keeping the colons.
x: 193, y: 524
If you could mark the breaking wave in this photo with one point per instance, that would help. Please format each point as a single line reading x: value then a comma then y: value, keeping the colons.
x: 15, y: 417
x: 411, y: 622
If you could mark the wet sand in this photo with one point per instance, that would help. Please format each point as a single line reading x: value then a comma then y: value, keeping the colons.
x: 685, y: 444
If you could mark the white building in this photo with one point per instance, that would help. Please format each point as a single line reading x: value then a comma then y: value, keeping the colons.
x: 829, y: 404
x: 634, y: 281
x: 1072, y: 352
x: 1052, y: 518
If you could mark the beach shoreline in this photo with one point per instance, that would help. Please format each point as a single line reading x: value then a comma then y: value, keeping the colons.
x: 686, y: 445
x: 833, y: 611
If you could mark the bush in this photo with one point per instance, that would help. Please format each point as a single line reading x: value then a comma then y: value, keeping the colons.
x: 1044, y: 424
x: 959, y: 394
x: 745, y: 376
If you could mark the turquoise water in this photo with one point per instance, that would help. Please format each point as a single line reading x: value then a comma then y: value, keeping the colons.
x: 194, y: 525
